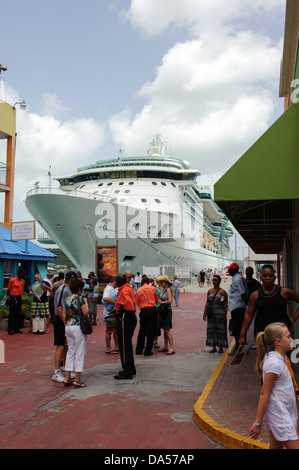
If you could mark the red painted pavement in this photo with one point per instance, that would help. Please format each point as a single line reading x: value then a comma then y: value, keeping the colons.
x: 37, y: 413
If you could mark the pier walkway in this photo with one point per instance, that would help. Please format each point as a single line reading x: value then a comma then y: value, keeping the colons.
x: 190, y: 400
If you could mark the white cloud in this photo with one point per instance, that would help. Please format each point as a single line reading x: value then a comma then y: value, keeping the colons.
x: 213, y: 94
x: 44, y: 140
x: 153, y: 17
x: 210, y: 103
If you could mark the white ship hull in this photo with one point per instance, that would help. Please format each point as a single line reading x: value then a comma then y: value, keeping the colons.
x: 75, y: 224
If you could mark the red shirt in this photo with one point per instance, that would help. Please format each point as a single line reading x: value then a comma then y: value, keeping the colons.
x: 16, y: 286
x: 146, y: 296
x: 126, y: 298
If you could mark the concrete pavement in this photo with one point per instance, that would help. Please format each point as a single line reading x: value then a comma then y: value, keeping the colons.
x: 152, y: 411
x: 190, y: 400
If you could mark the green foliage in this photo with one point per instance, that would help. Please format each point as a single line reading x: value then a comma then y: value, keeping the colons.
x: 26, y: 305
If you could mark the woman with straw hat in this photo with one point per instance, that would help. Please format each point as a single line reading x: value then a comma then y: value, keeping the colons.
x: 165, y: 321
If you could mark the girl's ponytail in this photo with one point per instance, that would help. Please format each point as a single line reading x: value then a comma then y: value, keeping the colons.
x: 261, y: 352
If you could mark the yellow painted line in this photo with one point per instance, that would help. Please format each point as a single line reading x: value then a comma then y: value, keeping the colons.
x: 214, y: 430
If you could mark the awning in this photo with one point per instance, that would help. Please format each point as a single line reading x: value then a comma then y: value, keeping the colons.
x: 258, y: 191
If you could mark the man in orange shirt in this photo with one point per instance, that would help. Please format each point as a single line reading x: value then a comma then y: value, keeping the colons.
x: 146, y: 299
x: 125, y: 307
x: 15, y: 290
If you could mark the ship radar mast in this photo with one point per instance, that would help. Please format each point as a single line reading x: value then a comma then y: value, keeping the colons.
x: 157, y: 146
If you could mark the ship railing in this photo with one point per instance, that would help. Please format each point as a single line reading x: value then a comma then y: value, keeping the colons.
x: 75, y: 193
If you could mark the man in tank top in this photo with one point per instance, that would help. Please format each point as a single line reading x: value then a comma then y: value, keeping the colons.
x: 269, y: 303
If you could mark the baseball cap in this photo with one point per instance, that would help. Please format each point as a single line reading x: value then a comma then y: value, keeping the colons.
x: 233, y: 266
x: 69, y: 275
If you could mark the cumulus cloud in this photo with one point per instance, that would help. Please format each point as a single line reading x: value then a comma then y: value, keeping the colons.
x: 153, y: 17
x: 43, y: 140
x: 210, y: 102
x: 214, y: 93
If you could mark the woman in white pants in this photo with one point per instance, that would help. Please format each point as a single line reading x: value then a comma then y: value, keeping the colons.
x: 76, y: 340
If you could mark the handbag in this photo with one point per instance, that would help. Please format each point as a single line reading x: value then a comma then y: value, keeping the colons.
x: 162, y: 310
x: 210, y: 306
x: 85, y: 324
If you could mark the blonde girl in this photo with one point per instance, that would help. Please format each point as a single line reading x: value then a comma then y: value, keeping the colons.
x: 277, y: 407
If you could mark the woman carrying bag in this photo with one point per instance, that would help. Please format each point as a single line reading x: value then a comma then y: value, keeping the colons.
x: 165, y: 321
x: 76, y: 340
x: 215, y: 311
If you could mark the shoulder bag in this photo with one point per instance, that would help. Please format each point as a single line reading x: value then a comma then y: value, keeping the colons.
x: 85, y: 323
x: 210, y: 306
x: 162, y: 310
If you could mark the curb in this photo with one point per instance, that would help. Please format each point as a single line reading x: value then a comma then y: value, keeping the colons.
x: 211, y: 428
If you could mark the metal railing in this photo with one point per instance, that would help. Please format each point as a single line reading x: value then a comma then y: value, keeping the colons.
x: 4, y: 174
x: 75, y: 193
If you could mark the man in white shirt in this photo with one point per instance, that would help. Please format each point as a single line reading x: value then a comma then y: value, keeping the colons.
x: 137, y: 281
x: 109, y: 319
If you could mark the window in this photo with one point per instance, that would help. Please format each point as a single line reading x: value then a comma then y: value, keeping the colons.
x: 154, y: 183
x: 7, y: 272
x: 143, y: 200
x: 158, y: 200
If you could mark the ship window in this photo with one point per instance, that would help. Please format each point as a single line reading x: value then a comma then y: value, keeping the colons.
x: 143, y: 200
x: 154, y: 183
x: 122, y: 200
x: 100, y: 184
x: 109, y: 184
x: 82, y: 186
x: 104, y: 192
x: 172, y: 184
x: 129, y: 258
x: 131, y: 182
x: 95, y: 192
x: 121, y: 183
x: 163, y: 184
x: 127, y: 191
x: 158, y: 200
x: 116, y: 191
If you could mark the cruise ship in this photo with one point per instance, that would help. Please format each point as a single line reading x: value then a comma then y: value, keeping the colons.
x: 151, y: 207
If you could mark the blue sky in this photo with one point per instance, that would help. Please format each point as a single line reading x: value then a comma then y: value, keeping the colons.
x: 103, y: 74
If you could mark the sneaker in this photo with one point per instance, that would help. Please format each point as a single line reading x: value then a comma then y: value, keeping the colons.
x: 58, y: 377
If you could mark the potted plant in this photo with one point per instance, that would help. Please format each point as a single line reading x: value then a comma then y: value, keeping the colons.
x: 4, y: 311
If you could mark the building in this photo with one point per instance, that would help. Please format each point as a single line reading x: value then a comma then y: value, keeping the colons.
x: 260, y: 192
x: 19, y: 254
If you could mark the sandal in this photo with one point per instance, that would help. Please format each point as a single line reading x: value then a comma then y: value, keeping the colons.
x: 67, y: 383
x: 79, y: 384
